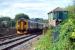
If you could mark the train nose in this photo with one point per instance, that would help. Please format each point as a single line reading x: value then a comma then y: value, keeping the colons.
x: 23, y: 25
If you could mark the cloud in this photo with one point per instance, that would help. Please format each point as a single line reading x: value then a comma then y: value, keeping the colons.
x: 34, y: 8
x: 30, y: 5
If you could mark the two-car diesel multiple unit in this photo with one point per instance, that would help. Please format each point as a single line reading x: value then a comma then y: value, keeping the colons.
x: 27, y: 26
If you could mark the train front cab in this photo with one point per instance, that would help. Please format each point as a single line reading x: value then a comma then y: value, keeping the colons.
x: 21, y: 27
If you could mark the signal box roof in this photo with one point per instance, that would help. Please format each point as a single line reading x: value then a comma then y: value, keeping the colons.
x: 57, y: 9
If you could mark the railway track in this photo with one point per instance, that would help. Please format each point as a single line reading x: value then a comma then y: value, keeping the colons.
x: 8, y: 37
x: 9, y: 44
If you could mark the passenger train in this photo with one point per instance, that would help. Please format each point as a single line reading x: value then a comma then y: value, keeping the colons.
x: 27, y: 26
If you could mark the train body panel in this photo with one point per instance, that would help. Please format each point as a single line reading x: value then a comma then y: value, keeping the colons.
x: 40, y: 26
x: 32, y: 25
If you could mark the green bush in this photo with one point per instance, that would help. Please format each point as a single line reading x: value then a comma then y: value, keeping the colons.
x: 45, y: 42
x: 65, y: 30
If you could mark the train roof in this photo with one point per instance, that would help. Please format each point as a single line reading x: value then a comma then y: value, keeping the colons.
x: 22, y: 19
x: 35, y: 21
x: 30, y: 21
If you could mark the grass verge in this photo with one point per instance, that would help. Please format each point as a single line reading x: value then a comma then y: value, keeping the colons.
x: 45, y: 42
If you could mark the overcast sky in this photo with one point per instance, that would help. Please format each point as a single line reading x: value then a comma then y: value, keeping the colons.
x: 33, y: 8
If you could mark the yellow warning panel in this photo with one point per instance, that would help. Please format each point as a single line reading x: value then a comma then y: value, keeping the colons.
x: 21, y: 25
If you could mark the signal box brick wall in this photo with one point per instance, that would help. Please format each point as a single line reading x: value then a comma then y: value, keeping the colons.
x: 52, y: 23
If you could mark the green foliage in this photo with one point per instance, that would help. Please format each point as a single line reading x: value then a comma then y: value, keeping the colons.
x: 45, y: 42
x: 21, y: 15
x: 67, y: 27
x: 65, y: 30
x: 71, y: 11
x: 12, y: 23
x: 63, y: 43
x: 5, y: 19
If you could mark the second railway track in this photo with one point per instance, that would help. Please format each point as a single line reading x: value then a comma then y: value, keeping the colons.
x: 9, y: 44
x: 8, y: 37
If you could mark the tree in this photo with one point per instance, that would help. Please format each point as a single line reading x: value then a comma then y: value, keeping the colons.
x: 12, y: 23
x: 21, y: 15
x: 71, y: 12
x: 4, y: 21
x: 5, y: 18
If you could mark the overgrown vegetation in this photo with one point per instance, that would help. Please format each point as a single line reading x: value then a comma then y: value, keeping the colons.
x: 65, y: 30
x: 45, y: 42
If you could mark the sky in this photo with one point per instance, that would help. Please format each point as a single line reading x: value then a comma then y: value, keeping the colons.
x: 33, y: 8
